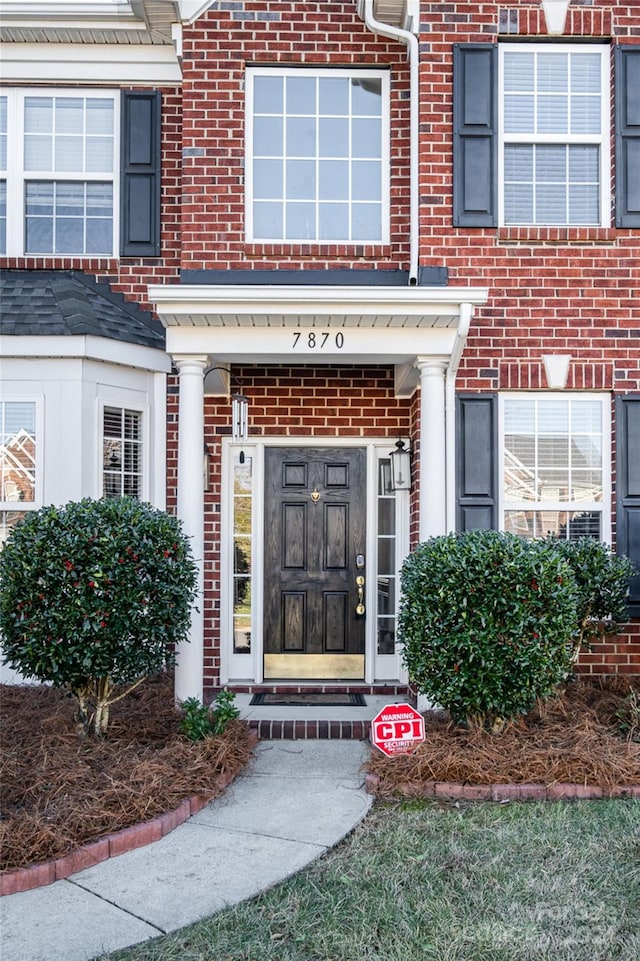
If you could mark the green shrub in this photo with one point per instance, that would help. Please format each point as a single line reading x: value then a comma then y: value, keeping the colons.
x: 200, y: 721
x: 224, y: 710
x: 95, y: 594
x: 602, y: 579
x: 196, y: 720
x: 487, y: 621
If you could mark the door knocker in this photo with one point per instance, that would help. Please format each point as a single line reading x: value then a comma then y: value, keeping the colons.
x: 315, y: 495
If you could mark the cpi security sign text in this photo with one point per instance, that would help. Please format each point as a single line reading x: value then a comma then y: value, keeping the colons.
x: 397, y: 729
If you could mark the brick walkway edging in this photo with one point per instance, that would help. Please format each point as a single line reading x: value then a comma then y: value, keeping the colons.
x: 456, y: 791
x: 111, y: 845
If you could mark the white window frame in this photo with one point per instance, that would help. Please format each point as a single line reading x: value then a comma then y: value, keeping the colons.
x: 383, y: 76
x: 36, y: 503
x: 602, y: 141
x: 603, y: 507
x: 16, y: 177
x: 136, y: 408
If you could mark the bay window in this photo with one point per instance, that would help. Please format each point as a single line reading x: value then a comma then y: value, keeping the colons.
x: 18, y: 462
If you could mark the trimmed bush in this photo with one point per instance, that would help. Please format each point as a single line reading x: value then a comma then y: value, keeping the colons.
x: 95, y: 594
x: 602, y: 579
x: 488, y: 622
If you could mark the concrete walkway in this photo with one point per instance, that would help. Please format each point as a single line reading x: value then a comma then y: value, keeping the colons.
x: 295, y: 801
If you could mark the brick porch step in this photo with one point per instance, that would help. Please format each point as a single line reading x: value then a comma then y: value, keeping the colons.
x: 316, y: 722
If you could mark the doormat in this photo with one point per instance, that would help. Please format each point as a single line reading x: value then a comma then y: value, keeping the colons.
x: 309, y: 700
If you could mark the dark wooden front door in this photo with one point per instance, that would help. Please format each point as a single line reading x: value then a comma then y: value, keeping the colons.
x: 315, y: 511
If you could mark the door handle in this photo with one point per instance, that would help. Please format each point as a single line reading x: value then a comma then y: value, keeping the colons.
x: 360, y: 605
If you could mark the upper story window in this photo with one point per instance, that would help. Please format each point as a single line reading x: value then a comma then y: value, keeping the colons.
x: 317, y: 155
x: 554, y: 474
x: 533, y: 143
x: 58, y: 172
x: 554, y: 157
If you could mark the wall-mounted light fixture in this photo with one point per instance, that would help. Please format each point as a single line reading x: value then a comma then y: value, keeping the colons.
x: 555, y: 15
x: 400, y: 467
x: 239, y: 403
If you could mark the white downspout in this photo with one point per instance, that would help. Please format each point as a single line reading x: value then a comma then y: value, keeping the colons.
x: 466, y: 313
x: 365, y: 10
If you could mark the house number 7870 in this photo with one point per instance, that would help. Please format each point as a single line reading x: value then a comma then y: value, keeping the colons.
x: 316, y: 340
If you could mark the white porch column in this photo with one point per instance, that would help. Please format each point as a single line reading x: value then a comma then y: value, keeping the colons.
x: 433, y: 461
x: 191, y: 370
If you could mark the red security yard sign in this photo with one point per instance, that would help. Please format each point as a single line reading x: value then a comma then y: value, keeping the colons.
x: 397, y: 729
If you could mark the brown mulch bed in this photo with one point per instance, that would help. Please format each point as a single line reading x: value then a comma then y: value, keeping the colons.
x: 574, y: 738
x: 59, y: 791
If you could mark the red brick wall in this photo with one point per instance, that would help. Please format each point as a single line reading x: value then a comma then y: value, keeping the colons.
x: 216, y: 52
x: 551, y: 290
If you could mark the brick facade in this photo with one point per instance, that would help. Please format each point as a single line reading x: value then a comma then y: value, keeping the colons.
x: 552, y: 290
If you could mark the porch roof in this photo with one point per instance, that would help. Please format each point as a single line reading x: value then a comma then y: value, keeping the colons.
x: 355, y: 324
x: 272, y: 306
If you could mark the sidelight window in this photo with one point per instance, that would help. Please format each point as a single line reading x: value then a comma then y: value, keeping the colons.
x: 242, y: 551
x: 387, y: 577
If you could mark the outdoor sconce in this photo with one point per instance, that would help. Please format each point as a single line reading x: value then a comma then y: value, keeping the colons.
x: 205, y: 468
x: 400, y: 467
x: 239, y: 417
x: 239, y: 405
x: 555, y: 14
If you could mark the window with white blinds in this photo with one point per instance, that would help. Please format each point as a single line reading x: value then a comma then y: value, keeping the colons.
x: 58, y: 165
x: 555, y: 125
x: 121, y: 452
x: 555, y: 465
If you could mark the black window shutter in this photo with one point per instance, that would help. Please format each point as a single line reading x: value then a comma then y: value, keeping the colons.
x: 475, y: 141
x: 477, y: 462
x: 140, y: 174
x: 628, y: 489
x: 627, y: 91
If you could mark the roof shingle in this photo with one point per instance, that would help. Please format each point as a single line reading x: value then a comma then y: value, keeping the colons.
x: 64, y: 303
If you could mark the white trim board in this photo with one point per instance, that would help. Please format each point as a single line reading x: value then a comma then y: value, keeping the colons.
x: 102, y: 63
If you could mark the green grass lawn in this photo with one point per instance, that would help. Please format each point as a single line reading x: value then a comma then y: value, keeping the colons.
x: 421, y: 881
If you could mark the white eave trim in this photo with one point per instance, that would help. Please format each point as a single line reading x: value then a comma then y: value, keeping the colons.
x: 73, y: 10
x: 86, y: 347
x: 94, y: 63
x: 260, y: 305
